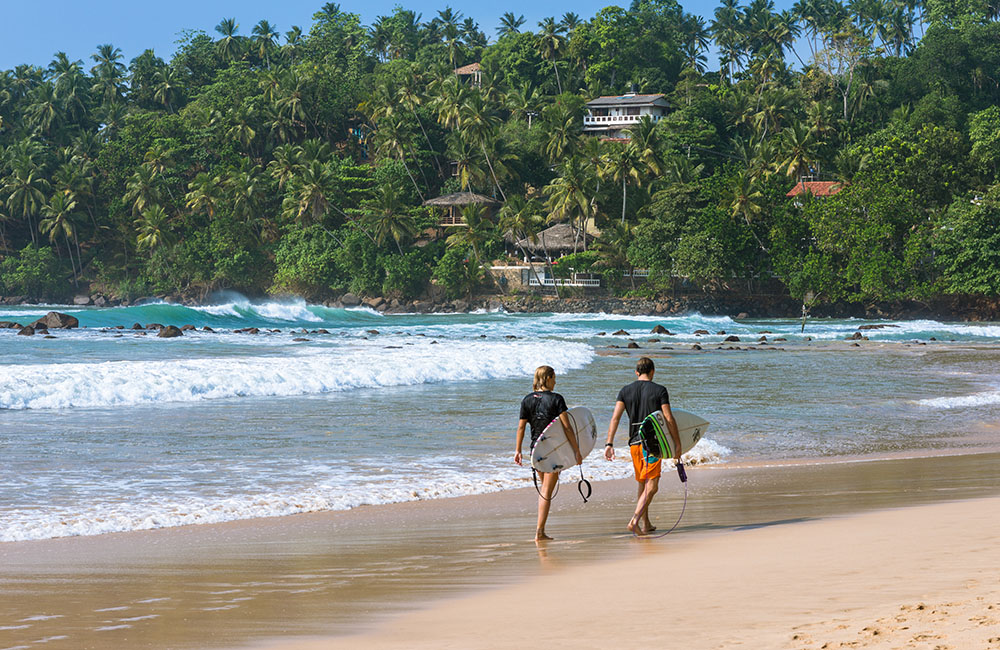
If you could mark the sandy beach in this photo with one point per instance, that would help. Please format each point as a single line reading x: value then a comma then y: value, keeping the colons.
x: 918, y: 577
x: 765, y: 552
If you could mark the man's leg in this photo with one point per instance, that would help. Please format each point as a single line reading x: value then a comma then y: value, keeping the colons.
x: 649, y: 489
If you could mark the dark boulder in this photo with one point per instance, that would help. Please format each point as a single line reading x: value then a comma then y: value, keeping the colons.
x: 207, y: 329
x: 659, y: 329
x: 169, y: 332
x: 299, y: 339
x: 731, y: 339
x: 350, y: 300
x: 8, y: 325
x: 700, y: 332
x: 27, y: 331
x: 188, y: 328
x: 154, y: 326
x: 620, y: 333
x: 721, y: 333
x: 372, y: 332
x: 632, y: 345
x: 55, y: 320
x: 137, y: 326
x: 695, y: 347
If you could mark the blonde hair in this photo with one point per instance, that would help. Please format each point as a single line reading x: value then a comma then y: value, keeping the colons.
x: 542, y: 376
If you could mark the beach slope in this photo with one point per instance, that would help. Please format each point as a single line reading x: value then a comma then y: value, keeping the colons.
x: 918, y: 577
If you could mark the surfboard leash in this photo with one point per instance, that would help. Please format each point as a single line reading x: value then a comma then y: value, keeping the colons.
x: 683, y: 476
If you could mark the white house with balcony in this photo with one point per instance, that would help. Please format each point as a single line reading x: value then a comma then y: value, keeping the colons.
x: 609, y: 116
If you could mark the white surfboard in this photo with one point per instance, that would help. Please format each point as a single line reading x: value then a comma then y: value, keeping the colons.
x: 552, y: 452
x: 691, y: 428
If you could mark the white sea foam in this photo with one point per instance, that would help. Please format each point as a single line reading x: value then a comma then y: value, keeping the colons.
x: 412, y: 481
x: 313, y: 371
x: 985, y: 398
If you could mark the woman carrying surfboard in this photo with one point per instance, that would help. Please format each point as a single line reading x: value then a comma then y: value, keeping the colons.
x: 539, y: 408
x: 640, y: 399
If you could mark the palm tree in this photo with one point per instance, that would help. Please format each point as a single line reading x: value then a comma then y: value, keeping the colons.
x: 410, y: 98
x: 612, y: 248
x: 265, y: 38
x: 563, y: 129
x: 25, y: 189
x: 203, y: 194
x: 153, y: 228
x: 645, y: 137
x: 570, y: 21
x: 510, y: 24
x: 479, y: 125
x: 285, y: 163
x: 571, y: 194
x: 245, y: 190
x: 142, y: 190
x: 387, y: 216
x: 745, y: 202
x: 521, y: 219
x: 44, y: 111
x: 551, y: 44
x: 476, y: 231
x: 167, y: 88
x: 799, y: 145
x: 621, y: 163
x: 230, y: 46
x: 109, y: 73
x: 60, y: 216
x: 309, y: 200
x: 392, y: 139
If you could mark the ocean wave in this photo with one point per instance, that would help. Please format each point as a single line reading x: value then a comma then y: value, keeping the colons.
x: 985, y: 398
x: 411, y: 481
x: 312, y: 371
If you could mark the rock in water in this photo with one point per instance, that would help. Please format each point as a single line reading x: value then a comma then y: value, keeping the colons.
x: 169, y: 332
x: 350, y: 300
x: 27, y: 331
x: 732, y: 339
x: 81, y: 300
x: 659, y: 329
x: 55, y: 320
x: 619, y: 333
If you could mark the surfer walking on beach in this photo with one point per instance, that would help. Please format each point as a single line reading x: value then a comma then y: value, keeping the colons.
x: 639, y: 399
x: 539, y: 408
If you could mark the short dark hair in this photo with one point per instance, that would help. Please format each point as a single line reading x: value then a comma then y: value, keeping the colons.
x: 644, y: 366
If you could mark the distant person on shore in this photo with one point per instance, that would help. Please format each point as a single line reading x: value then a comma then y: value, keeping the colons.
x: 539, y: 408
x: 639, y: 399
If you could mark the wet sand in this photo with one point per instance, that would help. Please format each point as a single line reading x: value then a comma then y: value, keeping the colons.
x: 342, y: 573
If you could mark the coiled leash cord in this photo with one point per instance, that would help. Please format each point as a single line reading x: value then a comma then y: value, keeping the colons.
x: 579, y: 485
x: 684, y: 479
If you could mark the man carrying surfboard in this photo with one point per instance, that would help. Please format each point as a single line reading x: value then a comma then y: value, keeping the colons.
x: 539, y: 408
x: 639, y: 399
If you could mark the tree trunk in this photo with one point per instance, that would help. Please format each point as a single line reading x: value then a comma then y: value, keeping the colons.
x: 492, y: 173
x: 623, y: 199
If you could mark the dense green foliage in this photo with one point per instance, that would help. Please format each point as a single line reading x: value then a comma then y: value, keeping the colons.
x: 299, y: 163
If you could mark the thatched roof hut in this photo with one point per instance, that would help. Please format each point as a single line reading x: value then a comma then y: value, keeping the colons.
x: 455, y: 202
x: 560, y: 239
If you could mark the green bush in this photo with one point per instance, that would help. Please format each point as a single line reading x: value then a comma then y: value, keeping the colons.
x: 33, y: 272
x: 407, y: 275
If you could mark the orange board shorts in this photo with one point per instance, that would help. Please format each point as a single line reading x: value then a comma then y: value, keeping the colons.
x: 643, y: 470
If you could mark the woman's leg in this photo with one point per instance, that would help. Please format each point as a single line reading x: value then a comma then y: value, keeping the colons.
x: 549, y: 481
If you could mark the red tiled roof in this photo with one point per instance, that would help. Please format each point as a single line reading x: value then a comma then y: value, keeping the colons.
x: 468, y: 69
x: 816, y: 188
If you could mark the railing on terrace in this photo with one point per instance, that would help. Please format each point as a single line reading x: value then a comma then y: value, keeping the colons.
x: 600, y: 120
x: 564, y: 282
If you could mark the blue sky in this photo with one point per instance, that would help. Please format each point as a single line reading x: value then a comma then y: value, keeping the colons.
x: 34, y: 31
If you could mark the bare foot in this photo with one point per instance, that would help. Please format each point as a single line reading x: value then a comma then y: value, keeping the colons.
x: 633, y: 527
x: 540, y: 536
x: 649, y: 528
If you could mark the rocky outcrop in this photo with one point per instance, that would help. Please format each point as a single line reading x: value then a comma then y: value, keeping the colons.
x: 27, y: 331
x: 350, y: 300
x: 55, y: 320
x: 169, y: 332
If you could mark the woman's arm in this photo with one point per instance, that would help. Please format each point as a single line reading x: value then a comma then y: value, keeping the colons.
x: 520, y: 439
x: 571, y: 435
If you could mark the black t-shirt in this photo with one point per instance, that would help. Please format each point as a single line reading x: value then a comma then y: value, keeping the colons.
x: 641, y: 398
x: 540, y: 408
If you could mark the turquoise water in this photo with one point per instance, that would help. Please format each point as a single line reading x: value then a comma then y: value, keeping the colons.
x: 105, y: 430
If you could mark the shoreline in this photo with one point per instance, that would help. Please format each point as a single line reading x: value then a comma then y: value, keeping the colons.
x: 736, y: 305
x: 795, y: 586
x: 243, y: 583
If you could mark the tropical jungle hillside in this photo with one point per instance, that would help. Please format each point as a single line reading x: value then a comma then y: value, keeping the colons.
x: 299, y: 161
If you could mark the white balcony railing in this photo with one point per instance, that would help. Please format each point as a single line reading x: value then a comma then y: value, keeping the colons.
x: 603, y: 121
x: 564, y: 282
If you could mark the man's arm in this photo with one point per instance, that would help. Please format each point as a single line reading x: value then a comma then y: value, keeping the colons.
x: 672, y: 428
x: 609, y: 450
